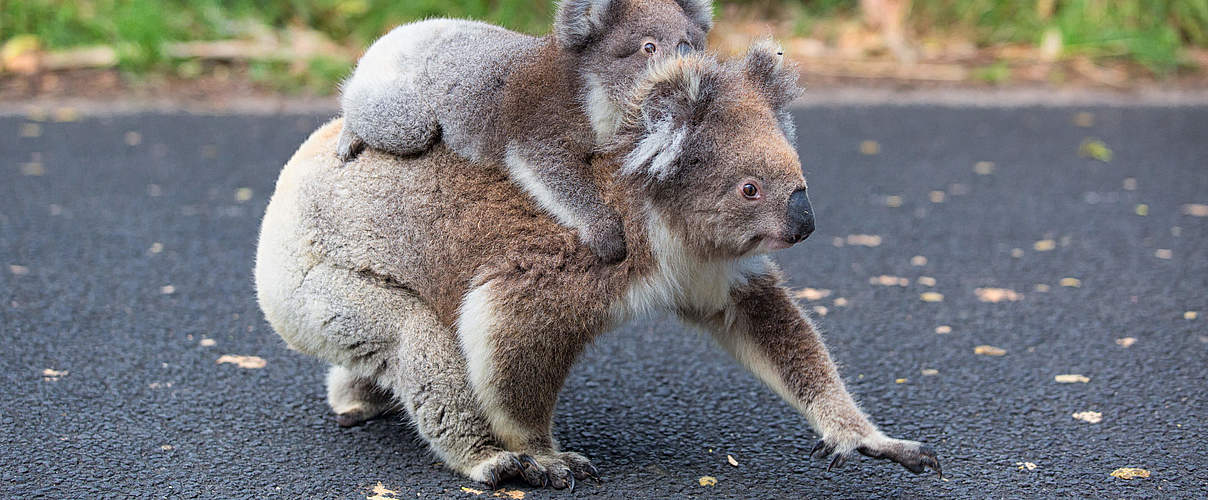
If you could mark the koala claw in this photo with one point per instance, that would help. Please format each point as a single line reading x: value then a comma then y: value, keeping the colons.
x: 349, y: 145
x: 556, y: 470
x: 913, y: 456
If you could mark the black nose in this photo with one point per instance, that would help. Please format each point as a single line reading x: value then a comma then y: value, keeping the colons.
x: 801, y: 216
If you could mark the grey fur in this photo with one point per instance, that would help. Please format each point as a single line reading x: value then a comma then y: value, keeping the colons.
x: 393, y: 273
x: 538, y: 105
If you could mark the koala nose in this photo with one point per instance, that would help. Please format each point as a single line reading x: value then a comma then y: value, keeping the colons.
x: 684, y: 48
x: 801, y: 216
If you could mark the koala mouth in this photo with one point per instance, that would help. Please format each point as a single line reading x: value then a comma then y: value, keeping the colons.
x: 765, y: 244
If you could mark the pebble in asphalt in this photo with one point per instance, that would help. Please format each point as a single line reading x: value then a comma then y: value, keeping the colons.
x: 125, y: 275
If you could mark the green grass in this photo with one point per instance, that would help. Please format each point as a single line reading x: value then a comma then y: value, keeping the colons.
x: 1150, y: 32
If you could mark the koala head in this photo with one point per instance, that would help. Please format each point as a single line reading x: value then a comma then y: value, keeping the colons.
x: 711, y: 145
x: 612, y: 41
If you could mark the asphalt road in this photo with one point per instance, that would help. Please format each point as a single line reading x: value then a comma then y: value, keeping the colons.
x: 99, y: 215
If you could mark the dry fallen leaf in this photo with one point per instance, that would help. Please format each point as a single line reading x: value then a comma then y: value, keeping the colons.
x: 471, y: 491
x: 513, y: 494
x: 840, y: 302
x: 1195, y: 209
x: 893, y: 201
x: 707, y: 481
x: 866, y: 240
x: 869, y: 147
x: 899, y: 381
x: 1126, y: 341
x: 984, y: 167
x: 930, y: 371
x: 156, y: 247
x: 166, y: 447
x: 208, y: 342
x: 886, y: 280
x: 943, y: 329
x: 1041, y: 287
x: 1017, y: 253
x: 167, y: 289
x: 1141, y: 209
x: 1093, y: 417
x: 1044, y: 245
x: 1189, y: 315
x: 1130, y: 184
x: 1094, y: 148
x: 50, y: 372
x: 1084, y: 119
x: 1163, y: 253
x: 243, y: 361
x: 926, y: 281
x: 243, y: 194
x: 997, y: 295
x: 936, y: 196
x: 1070, y: 282
x: 1130, y: 473
x: 918, y: 260
x: 18, y: 270
x: 811, y: 293
x: 1071, y: 378
x: 821, y: 310
x: 989, y: 350
x: 1026, y: 465
x: 931, y: 297
x: 730, y: 458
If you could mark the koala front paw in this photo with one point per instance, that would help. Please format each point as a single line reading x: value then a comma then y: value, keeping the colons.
x: 607, y: 241
x: 557, y: 470
x: 912, y: 455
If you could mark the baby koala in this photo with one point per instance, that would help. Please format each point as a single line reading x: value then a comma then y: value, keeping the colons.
x: 540, y: 106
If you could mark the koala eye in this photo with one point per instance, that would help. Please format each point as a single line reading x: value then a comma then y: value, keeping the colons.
x: 750, y: 191
x: 684, y: 48
x: 650, y: 48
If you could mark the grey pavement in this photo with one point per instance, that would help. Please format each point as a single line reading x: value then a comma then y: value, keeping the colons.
x: 126, y: 241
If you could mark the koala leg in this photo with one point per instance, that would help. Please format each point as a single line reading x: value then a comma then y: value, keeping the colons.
x: 392, y: 118
x: 562, y: 185
x: 356, y: 399
x: 766, y: 331
x: 519, y: 351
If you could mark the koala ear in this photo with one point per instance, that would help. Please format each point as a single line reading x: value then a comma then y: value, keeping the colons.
x: 776, y: 80
x: 664, y: 107
x: 700, y: 11
x: 577, y: 21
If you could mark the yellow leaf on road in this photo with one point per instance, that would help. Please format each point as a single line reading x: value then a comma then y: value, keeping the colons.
x: 1094, y: 148
x: 943, y: 329
x: 1071, y: 379
x: 252, y: 362
x: 1130, y: 473
x: 1070, y: 282
x: 707, y: 481
x: 1044, y: 245
x: 997, y: 295
x: 931, y: 297
x: 989, y: 350
x: 811, y: 293
x: 1126, y: 341
x: 1093, y: 417
x: 869, y: 147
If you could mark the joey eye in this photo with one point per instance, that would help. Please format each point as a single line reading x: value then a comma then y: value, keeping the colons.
x: 750, y: 191
x: 649, y: 48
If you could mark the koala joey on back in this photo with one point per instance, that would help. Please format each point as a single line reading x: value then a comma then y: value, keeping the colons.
x: 538, y: 106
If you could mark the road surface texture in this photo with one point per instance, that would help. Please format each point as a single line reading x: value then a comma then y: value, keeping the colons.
x: 126, y: 246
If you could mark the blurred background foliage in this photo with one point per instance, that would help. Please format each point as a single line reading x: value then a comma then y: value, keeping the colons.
x: 1151, y: 33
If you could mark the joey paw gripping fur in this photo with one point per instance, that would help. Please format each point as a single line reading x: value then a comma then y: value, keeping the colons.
x: 912, y: 455
x: 349, y: 145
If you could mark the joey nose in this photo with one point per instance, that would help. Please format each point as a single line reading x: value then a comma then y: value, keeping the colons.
x: 800, y: 216
x: 683, y: 49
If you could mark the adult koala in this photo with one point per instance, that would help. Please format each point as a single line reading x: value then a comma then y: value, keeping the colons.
x: 456, y: 296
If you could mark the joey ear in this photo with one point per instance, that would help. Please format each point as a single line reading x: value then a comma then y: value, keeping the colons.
x: 775, y: 79
x: 665, y: 106
x: 700, y: 11
x: 578, y: 21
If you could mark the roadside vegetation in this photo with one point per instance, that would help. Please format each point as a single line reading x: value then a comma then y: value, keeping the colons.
x: 308, y: 45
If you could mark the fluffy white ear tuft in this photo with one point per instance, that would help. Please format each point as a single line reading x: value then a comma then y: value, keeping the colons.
x: 661, y: 112
x: 576, y: 21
